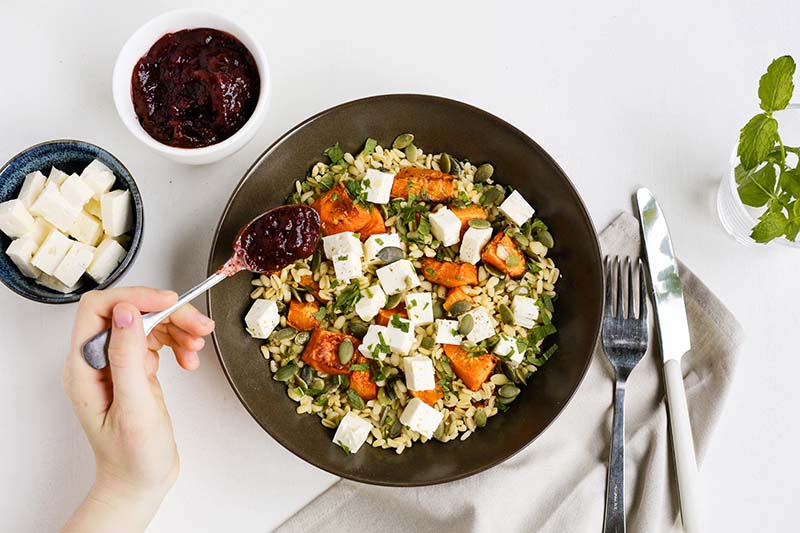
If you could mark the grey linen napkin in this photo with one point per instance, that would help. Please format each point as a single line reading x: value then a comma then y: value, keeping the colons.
x: 558, y: 483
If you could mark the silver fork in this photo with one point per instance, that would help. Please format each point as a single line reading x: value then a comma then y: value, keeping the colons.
x: 624, y: 342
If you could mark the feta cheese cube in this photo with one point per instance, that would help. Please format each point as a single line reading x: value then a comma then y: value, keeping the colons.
x: 473, y: 242
x: 352, y: 432
x: 398, y: 276
x: 447, y: 332
x: 376, y: 243
x: 373, y: 345
x: 108, y: 255
x: 32, y: 187
x: 40, y: 230
x: 445, y: 226
x: 86, y: 229
x: 99, y: 178
x: 21, y: 251
x: 347, y: 268
x: 262, y: 318
x: 342, y: 244
x: 93, y: 208
x: 372, y: 300
x: 378, y: 186
x: 74, y: 264
x: 419, y: 373
x: 399, y: 335
x: 15, y: 220
x: 510, y: 349
x: 51, y: 252
x: 483, y: 325
x: 52, y: 205
x: 516, y: 208
x: 54, y: 285
x: 526, y: 312
x: 76, y: 191
x: 56, y: 176
x: 420, y: 308
x: 116, y: 211
x: 420, y: 417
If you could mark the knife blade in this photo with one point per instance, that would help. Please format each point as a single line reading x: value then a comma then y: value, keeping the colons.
x: 673, y: 338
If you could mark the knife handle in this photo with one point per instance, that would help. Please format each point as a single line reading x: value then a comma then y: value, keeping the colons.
x: 683, y: 448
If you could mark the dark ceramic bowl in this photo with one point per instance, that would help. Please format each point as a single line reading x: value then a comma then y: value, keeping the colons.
x: 69, y: 156
x: 468, y: 133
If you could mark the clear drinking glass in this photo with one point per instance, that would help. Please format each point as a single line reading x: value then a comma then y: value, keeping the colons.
x: 739, y: 219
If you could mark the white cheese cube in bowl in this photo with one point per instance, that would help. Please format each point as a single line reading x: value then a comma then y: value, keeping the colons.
x: 510, y: 349
x: 52, y: 205
x: 93, y: 208
x: 32, y: 187
x: 516, y: 208
x: 445, y: 226
x: 378, y: 186
x: 342, y: 244
x: 419, y: 373
x: 86, y: 229
x: 483, y: 325
x: 472, y: 244
x: 117, y: 212
x: 447, y: 332
x: 99, y: 178
x: 376, y: 243
x: 51, y: 252
x: 107, y: 257
x: 54, y: 285
x: 74, y: 264
x: 347, y: 267
x: 352, y: 432
x: 21, y: 251
x: 372, y: 300
x: 420, y: 417
x: 398, y: 277
x: 420, y: 308
x: 399, y: 335
x: 40, y: 230
x: 373, y: 345
x: 56, y: 176
x: 76, y: 191
x: 15, y: 220
x: 262, y: 318
x: 526, y: 312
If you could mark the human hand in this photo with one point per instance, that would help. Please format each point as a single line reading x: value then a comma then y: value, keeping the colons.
x: 121, y: 407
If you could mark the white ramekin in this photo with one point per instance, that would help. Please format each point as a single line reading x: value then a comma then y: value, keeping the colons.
x: 139, y: 44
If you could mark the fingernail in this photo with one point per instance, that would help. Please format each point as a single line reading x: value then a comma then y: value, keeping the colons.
x: 207, y: 321
x: 122, y: 317
x: 193, y: 360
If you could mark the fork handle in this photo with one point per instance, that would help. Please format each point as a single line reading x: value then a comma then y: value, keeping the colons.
x: 683, y: 448
x: 614, y: 519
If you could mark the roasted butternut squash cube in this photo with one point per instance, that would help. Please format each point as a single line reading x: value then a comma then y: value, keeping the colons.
x: 504, y: 254
x: 322, y: 351
x: 449, y: 274
x: 473, y: 371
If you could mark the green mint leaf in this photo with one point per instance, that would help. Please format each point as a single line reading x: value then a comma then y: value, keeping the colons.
x: 334, y: 153
x: 775, y: 87
x: 790, y: 182
x: 771, y: 226
x: 369, y: 146
x: 756, y: 140
x: 755, y: 187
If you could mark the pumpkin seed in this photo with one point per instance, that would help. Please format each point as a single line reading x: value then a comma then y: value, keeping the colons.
x: 295, y: 294
x: 390, y: 371
x: 509, y: 391
x: 493, y: 270
x: 316, y: 260
x: 307, y: 374
x: 383, y: 398
x: 403, y: 140
x: 345, y: 351
x: 480, y: 418
x: 526, y: 229
x: 512, y: 260
x: 459, y: 308
x: 445, y: 363
x: 285, y: 333
x: 468, y: 346
x: 504, y: 400
x: 321, y: 314
x: 427, y: 343
x: 465, y: 324
x: 296, y: 349
x: 439, y: 433
x: 505, y: 314
x: 521, y: 239
x: 302, y: 337
x: 484, y: 172
x: 393, y: 301
x: 354, y: 399
x: 301, y: 384
x: 390, y: 254
x: 492, y: 195
x: 544, y: 237
x: 390, y: 391
x: 286, y: 373
x: 500, y: 284
x: 318, y: 383
x: 479, y: 223
x: 396, y: 428
x: 444, y: 163
x: 411, y: 153
x: 455, y: 166
x: 412, y: 235
x: 357, y: 328
x: 384, y: 416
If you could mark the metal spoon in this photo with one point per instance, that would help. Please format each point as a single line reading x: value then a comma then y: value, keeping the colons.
x: 267, y: 244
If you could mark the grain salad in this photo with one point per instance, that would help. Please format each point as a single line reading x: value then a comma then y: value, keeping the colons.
x: 427, y: 306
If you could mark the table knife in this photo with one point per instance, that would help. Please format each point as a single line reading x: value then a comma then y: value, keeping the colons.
x: 673, y: 337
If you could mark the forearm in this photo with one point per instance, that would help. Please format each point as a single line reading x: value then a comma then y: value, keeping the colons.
x: 114, y: 507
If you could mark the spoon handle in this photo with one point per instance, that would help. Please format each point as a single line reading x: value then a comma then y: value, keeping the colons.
x: 95, y: 350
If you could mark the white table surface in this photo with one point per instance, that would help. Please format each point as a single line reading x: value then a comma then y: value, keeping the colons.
x: 621, y: 94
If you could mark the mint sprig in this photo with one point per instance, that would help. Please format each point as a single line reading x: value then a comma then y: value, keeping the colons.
x: 764, y: 177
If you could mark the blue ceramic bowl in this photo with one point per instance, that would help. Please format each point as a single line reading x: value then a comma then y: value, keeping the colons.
x: 69, y: 156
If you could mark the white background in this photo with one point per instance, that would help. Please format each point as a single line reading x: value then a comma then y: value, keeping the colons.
x: 620, y: 93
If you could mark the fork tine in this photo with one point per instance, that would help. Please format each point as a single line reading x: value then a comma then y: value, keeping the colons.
x: 608, y: 303
x: 642, y: 293
x: 620, y: 312
x: 631, y: 313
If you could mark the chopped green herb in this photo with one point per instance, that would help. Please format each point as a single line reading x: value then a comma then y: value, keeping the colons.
x: 399, y: 323
x: 369, y: 146
x: 326, y: 182
x: 354, y: 399
x: 360, y: 367
x: 334, y: 153
x: 347, y: 298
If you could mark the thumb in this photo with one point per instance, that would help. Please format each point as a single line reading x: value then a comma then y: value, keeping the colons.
x: 126, y: 355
